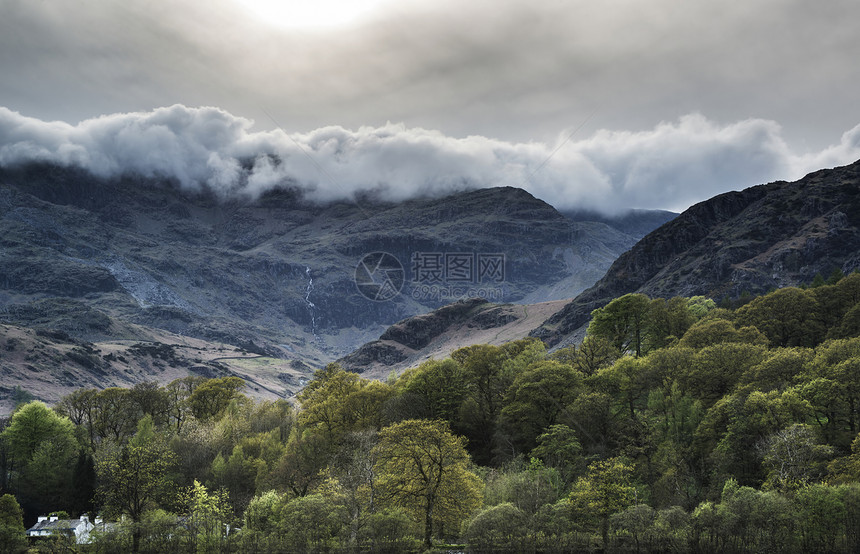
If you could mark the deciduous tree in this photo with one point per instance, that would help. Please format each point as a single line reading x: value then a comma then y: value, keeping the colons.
x: 424, y: 468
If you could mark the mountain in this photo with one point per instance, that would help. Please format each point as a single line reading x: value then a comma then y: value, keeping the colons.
x: 636, y: 223
x: 764, y: 237
x: 135, y: 258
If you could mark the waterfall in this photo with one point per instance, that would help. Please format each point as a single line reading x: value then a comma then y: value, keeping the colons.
x: 311, y: 306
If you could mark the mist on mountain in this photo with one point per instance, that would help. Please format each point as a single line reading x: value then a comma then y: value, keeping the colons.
x: 669, y: 167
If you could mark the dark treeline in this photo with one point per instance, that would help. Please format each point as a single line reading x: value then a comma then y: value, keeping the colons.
x: 675, y: 426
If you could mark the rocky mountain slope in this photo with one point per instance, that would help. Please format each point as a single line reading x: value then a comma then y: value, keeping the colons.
x: 105, y: 260
x: 436, y: 334
x: 763, y: 237
x: 48, y: 364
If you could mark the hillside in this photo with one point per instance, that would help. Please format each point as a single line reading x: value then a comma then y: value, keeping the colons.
x: 49, y: 364
x: 131, y: 258
x: 764, y: 237
x: 436, y: 334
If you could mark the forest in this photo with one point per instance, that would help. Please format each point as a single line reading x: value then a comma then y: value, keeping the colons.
x: 677, y: 425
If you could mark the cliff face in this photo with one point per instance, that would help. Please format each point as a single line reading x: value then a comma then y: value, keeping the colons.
x: 764, y: 237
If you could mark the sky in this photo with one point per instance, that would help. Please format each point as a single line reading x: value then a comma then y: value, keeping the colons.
x: 600, y: 105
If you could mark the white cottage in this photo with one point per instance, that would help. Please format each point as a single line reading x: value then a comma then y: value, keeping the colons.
x: 48, y: 526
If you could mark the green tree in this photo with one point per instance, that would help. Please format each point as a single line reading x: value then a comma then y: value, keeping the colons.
x: 439, y: 385
x: 536, y: 399
x: 152, y: 400
x: 717, y: 330
x: 262, y: 530
x: 389, y: 530
x: 528, y: 486
x: 212, y: 396
x: 606, y: 489
x: 780, y: 369
x: 43, y: 449
x: 499, y: 528
x: 134, y: 477
x: 300, y: 468
x: 820, y: 517
x: 700, y: 306
x: 788, y: 317
x: 207, y: 519
x: 12, y: 533
x: 31, y: 426
x: 839, y: 361
x: 237, y: 474
x: 337, y: 402
x: 558, y: 447
x: 424, y: 468
x: 592, y: 355
x: 717, y: 369
x: 846, y: 469
x: 487, y: 377
x: 312, y: 523
x: 793, y: 457
x: 639, y: 521
x: 668, y: 320
x: 80, y: 407
x: 115, y: 415
x: 623, y: 323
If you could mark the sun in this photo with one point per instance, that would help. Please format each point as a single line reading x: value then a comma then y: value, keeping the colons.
x: 310, y: 14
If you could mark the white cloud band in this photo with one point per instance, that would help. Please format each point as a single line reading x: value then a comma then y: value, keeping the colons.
x: 671, y: 166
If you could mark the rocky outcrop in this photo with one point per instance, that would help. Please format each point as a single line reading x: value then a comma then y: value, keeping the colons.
x: 406, y: 340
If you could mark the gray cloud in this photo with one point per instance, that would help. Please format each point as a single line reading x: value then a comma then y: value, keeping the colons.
x: 509, y: 69
x: 669, y: 166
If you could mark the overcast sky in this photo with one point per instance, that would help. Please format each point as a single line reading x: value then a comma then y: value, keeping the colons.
x: 606, y: 104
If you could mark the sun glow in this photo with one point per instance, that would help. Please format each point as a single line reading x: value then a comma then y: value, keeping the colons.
x: 310, y: 14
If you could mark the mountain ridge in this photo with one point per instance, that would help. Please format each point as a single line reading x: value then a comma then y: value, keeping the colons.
x: 763, y: 237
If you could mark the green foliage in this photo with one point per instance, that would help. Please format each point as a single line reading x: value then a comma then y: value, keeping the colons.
x: 206, y: 519
x: 537, y: 399
x: 558, y: 447
x: 213, y: 396
x: 623, y: 323
x: 502, y: 527
x: 12, y: 532
x: 134, y: 477
x: 651, y: 530
x: 746, y: 520
x: 734, y: 431
x: 788, y: 317
x: 42, y: 448
x: 312, y: 523
x: 821, y: 517
x: 439, y: 386
x: 527, y: 488
x: 713, y: 331
x: 336, y: 402
x: 424, y: 469
x: 33, y: 425
x: 389, y: 530
x: 606, y: 489
x: 592, y: 355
